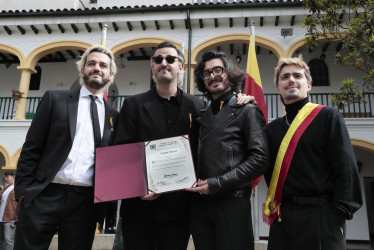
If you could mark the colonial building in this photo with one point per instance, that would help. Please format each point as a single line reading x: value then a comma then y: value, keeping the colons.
x: 40, y: 42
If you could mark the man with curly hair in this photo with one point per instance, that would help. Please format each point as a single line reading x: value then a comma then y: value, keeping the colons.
x: 232, y: 152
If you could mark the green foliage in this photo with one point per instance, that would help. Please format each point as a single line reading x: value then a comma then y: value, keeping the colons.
x: 349, y: 93
x: 351, y: 23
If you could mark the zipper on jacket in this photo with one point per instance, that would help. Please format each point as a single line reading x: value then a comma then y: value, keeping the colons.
x: 229, y: 120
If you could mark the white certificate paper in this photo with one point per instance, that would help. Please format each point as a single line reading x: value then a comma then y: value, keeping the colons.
x: 169, y: 164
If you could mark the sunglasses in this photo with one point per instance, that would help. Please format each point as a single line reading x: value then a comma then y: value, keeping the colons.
x: 169, y: 59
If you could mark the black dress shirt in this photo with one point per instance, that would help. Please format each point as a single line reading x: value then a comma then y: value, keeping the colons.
x: 171, y: 108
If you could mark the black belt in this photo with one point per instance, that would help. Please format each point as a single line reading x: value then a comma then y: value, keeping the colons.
x: 305, y: 200
x: 241, y: 193
x: 71, y: 188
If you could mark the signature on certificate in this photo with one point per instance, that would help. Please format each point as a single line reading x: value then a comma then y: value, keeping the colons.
x: 183, y: 180
x: 172, y: 175
x: 162, y: 183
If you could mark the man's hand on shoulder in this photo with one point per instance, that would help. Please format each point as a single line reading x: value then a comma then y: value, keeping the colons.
x: 244, y: 99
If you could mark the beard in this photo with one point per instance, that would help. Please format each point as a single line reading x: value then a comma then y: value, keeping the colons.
x: 95, y: 83
x: 221, y: 89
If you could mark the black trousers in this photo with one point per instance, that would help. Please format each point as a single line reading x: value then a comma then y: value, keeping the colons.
x: 307, y: 227
x: 151, y: 234
x: 70, y: 212
x: 221, y: 223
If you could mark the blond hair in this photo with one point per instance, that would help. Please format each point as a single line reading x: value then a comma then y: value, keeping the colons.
x: 298, y: 61
x: 101, y: 49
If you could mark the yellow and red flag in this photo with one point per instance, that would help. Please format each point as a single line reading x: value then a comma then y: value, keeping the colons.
x: 253, y: 86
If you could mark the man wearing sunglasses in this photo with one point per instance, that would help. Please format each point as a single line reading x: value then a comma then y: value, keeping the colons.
x: 163, y: 111
x: 232, y: 152
x: 160, y: 221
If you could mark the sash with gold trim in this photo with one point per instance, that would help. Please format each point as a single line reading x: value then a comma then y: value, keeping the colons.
x: 284, y: 157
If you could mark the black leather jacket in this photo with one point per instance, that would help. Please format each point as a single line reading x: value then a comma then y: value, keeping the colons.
x: 232, y: 148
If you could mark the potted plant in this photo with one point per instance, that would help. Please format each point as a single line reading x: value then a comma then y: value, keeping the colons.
x: 16, y: 94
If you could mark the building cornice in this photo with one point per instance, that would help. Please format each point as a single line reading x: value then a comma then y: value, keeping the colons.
x: 145, y: 9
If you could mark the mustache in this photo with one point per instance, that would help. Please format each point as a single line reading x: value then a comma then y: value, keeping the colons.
x: 291, y: 86
x: 214, y: 80
x: 95, y: 73
x: 163, y: 68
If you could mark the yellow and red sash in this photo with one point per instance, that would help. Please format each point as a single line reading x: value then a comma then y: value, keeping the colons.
x: 284, y: 157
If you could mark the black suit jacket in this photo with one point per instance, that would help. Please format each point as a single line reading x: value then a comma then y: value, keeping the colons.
x: 142, y: 119
x: 49, y: 141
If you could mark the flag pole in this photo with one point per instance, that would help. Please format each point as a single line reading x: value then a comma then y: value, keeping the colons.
x: 252, y: 29
x: 103, y: 34
x: 104, y: 28
x: 255, y: 193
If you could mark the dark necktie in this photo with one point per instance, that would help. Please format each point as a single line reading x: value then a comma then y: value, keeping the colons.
x: 95, y: 121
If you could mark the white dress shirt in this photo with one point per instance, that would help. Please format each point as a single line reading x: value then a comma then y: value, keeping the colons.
x: 78, y: 169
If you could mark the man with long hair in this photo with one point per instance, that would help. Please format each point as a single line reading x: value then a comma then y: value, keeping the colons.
x: 232, y: 152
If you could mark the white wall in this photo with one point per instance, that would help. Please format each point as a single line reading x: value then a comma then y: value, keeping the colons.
x: 13, y: 133
x: 134, y: 78
x: 10, y: 78
x: 358, y: 227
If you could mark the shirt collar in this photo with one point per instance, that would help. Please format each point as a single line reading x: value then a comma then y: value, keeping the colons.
x: 225, y: 98
x: 178, y: 97
x: 85, y: 92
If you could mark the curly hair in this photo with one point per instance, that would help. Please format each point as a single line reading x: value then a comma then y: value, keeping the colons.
x: 235, y: 74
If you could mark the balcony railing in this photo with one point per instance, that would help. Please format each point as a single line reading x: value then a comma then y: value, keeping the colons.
x: 7, y: 108
x: 274, y: 106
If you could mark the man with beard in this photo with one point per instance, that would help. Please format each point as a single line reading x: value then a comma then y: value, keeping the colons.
x: 232, y: 152
x: 160, y: 221
x: 54, y: 180
x: 314, y: 184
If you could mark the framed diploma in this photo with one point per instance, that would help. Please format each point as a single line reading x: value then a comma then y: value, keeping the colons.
x: 137, y: 169
x: 169, y: 164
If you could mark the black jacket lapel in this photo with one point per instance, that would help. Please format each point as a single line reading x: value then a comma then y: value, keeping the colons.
x: 72, y: 104
x: 210, y: 123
